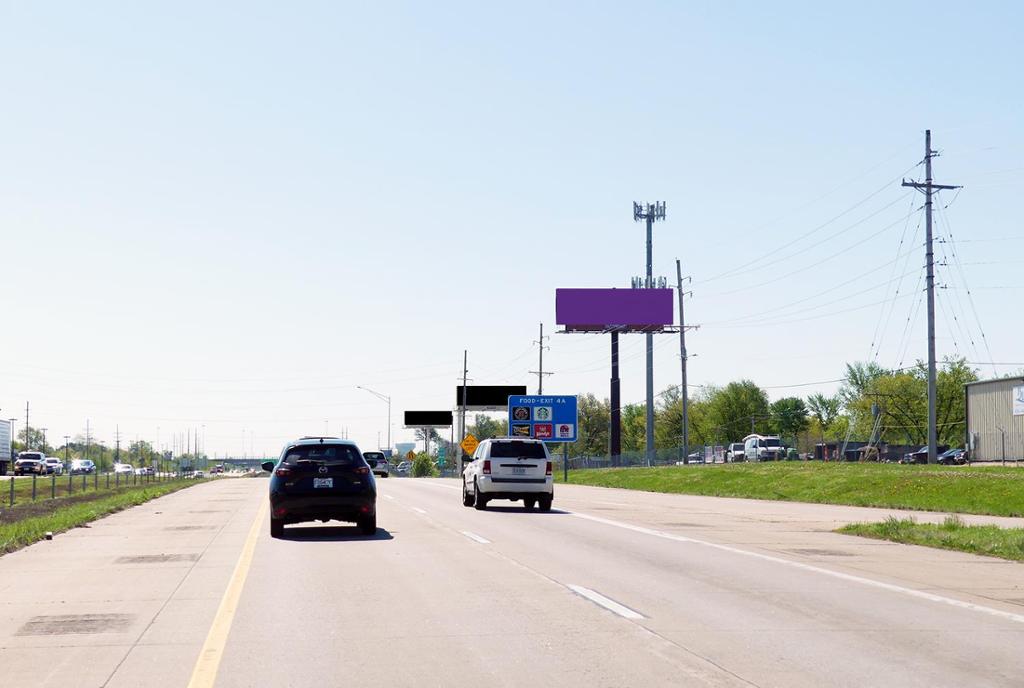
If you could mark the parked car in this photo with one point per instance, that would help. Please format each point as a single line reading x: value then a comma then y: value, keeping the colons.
x: 30, y: 463
x: 54, y: 465
x: 514, y: 469
x: 144, y: 470
x: 219, y: 468
x: 953, y: 457
x: 82, y: 466
x: 763, y: 448
x: 320, y: 479
x: 403, y: 467
x: 921, y: 455
x: 735, y: 452
x: 124, y: 468
x: 378, y: 463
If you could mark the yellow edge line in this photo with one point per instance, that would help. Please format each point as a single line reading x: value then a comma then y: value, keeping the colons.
x: 205, y: 672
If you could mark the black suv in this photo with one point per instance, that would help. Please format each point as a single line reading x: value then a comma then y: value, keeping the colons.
x: 320, y: 479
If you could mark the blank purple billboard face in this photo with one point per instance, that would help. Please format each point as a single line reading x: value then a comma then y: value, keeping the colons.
x: 597, y: 310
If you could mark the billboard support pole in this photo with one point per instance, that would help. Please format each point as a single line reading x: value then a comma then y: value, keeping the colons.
x: 615, y: 433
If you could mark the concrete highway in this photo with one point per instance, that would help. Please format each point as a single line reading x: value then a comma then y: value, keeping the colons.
x: 612, y: 588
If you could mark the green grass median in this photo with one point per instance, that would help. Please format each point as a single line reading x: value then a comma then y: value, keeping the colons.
x: 993, y: 490
x: 21, y: 526
x: 953, y: 533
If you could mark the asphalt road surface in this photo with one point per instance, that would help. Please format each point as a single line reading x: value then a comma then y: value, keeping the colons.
x: 612, y: 588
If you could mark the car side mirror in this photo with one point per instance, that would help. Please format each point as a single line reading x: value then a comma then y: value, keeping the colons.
x: 268, y: 466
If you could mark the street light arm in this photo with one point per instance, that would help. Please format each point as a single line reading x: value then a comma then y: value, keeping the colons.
x: 382, y: 397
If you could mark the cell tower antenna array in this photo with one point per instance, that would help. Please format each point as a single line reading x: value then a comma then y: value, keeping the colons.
x: 650, y: 213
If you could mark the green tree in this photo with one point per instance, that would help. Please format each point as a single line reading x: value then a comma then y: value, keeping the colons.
x: 737, y: 406
x: 594, y: 419
x: 485, y: 427
x: 423, y: 466
x: 634, y: 427
x: 789, y: 417
x: 824, y: 409
x: 858, y: 379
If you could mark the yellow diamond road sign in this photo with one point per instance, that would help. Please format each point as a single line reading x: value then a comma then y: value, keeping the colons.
x: 411, y: 455
x: 469, y: 444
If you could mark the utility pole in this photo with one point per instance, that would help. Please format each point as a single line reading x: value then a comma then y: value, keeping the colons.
x: 28, y: 428
x: 928, y: 189
x: 462, y: 406
x: 650, y: 212
x: 682, y: 360
x: 117, y: 444
x: 540, y: 370
x: 88, y: 438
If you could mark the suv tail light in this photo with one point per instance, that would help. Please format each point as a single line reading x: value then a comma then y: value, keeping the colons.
x: 362, y: 470
x: 548, y: 471
x: 283, y: 472
x: 487, y: 466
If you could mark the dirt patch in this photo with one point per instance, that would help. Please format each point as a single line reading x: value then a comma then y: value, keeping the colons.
x: 44, y: 507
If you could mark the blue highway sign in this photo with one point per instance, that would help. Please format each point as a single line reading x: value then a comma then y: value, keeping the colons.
x: 543, y: 417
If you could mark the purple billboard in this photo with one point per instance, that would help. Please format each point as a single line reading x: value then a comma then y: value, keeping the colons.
x: 597, y: 310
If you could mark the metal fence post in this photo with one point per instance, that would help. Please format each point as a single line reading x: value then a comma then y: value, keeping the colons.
x: 33, y: 487
x: 85, y: 482
x: 11, y: 481
x: 108, y: 480
x: 53, y: 486
x: 71, y: 483
x: 117, y: 479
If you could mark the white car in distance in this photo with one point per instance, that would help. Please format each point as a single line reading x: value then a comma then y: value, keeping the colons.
x: 509, y: 468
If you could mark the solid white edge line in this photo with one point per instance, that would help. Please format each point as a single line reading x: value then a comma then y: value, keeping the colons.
x: 610, y: 605
x: 387, y: 496
x: 920, y: 594
x: 418, y: 510
x: 476, y: 538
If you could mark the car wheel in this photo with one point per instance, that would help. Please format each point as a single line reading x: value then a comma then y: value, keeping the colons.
x: 276, y: 528
x: 479, y: 501
x: 467, y: 499
x: 368, y: 524
x: 545, y: 503
x: 528, y: 504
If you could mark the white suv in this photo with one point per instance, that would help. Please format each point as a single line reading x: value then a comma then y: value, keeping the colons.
x: 512, y: 469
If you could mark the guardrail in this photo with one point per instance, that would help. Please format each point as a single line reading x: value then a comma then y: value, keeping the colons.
x: 25, y: 489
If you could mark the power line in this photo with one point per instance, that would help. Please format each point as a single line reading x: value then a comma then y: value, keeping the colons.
x: 759, y: 260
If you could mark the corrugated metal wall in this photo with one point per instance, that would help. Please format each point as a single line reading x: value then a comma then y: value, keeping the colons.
x: 989, y: 409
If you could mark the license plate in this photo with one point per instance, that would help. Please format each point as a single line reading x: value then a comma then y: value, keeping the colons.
x: 323, y: 482
x: 518, y: 470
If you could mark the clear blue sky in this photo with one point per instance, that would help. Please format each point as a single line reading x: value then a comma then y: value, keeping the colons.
x: 230, y: 214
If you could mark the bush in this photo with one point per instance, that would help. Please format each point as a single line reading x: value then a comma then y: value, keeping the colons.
x: 423, y: 466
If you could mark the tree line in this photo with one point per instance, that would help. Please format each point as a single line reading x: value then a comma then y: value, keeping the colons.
x: 872, y: 403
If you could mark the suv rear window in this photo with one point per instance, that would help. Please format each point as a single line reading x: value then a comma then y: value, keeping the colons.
x: 339, y: 454
x: 527, y: 450
x: 375, y: 455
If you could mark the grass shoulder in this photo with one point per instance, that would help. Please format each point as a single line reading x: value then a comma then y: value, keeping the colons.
x: 62, y: 514
x: 992, y: 490
x: 953, y: 533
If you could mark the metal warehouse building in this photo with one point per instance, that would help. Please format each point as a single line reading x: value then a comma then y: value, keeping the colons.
x: 995, y: 419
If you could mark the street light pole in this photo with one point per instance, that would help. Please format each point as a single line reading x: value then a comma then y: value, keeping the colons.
x: 382, y: 397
